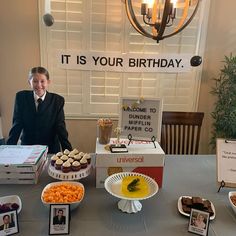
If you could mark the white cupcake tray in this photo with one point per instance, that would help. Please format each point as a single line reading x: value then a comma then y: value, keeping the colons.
x: 72, y: 175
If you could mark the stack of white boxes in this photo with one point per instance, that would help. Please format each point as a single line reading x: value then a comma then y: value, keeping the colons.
x: 21, y: 164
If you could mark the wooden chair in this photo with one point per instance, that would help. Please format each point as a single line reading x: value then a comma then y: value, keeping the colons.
x: 180, y: 132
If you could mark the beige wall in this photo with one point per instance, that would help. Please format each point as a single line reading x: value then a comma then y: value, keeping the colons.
x: 221, y: 41
x: 19, y: 48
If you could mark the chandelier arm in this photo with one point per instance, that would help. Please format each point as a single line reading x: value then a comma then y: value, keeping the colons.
x: 133, y: 20
x: 184, y: 15
x: 163, y: 24
x: 147, y: 23
x: 186, y: 23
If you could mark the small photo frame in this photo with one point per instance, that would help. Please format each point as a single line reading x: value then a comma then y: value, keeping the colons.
x: 199, y: 222
x: 9, y: 223
x: 59, y: 219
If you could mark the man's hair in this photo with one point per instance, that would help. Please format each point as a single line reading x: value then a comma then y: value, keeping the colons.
x: 5, y: 217
x: 38, y: 70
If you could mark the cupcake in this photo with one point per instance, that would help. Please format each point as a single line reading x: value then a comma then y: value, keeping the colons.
x: 83, y: 163
x: 81, y: 154
x: 88, y: 157
x: 75, y: 166
x: 75, y: 151
x: 66, y: 152
x: 77, y: 157
x: 71, y: 160
x: 71, y: 154
x: 64, y: 158
x: 59, y: 154
x: 53, y: 159
x: 66, y: 167
x: 58, y: 164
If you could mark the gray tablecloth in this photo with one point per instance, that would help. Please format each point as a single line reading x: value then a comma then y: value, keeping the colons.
x: 98, y: 214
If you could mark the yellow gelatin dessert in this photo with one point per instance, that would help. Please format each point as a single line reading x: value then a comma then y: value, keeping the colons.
x: 134, y: 187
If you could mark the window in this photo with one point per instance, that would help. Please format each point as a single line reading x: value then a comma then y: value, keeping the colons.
x: 102, y: 25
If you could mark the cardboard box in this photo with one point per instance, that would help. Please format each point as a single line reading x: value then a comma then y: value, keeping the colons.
x: 27, y: 170
x: 142, y: 157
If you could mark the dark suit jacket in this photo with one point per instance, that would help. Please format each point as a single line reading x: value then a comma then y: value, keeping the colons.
x: 45, y: 127
x: 9, y: 226
x: 57, y: 221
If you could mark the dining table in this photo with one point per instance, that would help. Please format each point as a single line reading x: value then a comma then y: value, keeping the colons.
x: 98, y: 213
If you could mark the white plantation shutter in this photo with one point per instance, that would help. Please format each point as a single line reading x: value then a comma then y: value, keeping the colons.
x: 102, y: 26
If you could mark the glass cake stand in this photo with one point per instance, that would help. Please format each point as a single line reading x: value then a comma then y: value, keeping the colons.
x: 129, y: 204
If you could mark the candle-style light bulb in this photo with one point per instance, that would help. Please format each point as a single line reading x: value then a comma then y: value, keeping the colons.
x: 174, y: 3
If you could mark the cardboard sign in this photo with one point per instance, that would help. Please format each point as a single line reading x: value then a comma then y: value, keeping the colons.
x: 226, y: 162
x: 141, y: 118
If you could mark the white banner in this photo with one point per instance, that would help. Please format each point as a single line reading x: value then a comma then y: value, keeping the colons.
x: 123, y: 62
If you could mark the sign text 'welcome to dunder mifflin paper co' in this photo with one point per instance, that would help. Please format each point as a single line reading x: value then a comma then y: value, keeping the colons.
x: 123, y: 62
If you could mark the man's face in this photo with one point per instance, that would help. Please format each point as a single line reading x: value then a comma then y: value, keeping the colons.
x: 6, y: 220
x: 39, y: 83
x: 60, y: 213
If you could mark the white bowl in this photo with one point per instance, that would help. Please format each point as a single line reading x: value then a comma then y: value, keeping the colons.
x: 232, y: 193
x: 113, y: 185
x: 73, y: 205
x: 11, y: 199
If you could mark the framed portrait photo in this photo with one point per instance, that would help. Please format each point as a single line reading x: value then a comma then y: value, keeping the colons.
x: 9, y: 223
x: 59, y: 219
x: 199, y: 222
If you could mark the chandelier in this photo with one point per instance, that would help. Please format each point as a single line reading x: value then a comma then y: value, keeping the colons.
x: 151, y: 18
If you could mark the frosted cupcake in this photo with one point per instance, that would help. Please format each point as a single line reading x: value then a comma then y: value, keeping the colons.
x: 75, y: 166
x: 64, y: 158
x: 88, y: 157
x: 58, y: 164
x: 77, y: 157
x: 66, y: 152
x: 75, y: 151
x: 66, y: 167
x: 53, y: 159
x: 59, y: 154
x: 71, y: 154
x: 81, y: 154
x: 71, y: 160
x: 83, y: 163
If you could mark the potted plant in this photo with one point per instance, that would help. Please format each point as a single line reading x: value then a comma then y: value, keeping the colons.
x: 224, y: 114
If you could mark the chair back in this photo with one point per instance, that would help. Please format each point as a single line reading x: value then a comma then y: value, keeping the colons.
x: 180, y: 132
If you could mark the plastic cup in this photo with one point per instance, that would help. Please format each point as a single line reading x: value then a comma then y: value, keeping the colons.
x: 104, y: 133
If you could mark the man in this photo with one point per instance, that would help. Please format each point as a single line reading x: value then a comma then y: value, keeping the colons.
x: 59, y: 219
x: 7, y: 223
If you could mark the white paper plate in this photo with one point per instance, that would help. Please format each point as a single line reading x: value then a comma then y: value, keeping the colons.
x: 73, y: 205
x: 113, y: 185
x: 12, y: 199
x: 180, y: 207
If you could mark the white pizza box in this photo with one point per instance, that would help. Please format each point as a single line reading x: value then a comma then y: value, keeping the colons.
x: 22, y: 177
x: 22, y: 158
x: 141, y: 157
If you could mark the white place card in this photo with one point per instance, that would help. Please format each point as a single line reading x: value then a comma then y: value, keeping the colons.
x: 226, y: 162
